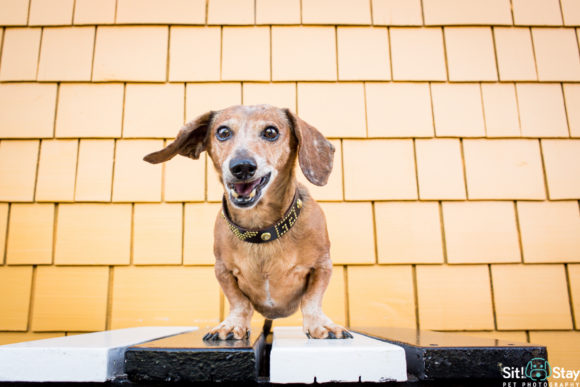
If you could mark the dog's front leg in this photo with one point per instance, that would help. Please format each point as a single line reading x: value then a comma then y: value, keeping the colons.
x: 316, y: 324
x: 237, y: 324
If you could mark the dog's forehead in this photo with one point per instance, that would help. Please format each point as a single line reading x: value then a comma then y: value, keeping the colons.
x: 253, y: 113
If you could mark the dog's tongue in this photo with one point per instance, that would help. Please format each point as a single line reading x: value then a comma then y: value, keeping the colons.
x: 244, y: 189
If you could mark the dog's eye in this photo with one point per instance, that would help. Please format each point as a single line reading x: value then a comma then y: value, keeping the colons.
x: 270, y: 133
x: 223, y: 133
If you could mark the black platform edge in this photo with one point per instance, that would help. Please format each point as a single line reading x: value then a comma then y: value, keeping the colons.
x: 464, y: 361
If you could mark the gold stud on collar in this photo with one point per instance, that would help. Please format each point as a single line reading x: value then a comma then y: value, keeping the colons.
x: 299, y: 203
x: 266, y: 236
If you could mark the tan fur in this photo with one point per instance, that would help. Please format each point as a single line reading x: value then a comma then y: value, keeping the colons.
x: 273, y: 278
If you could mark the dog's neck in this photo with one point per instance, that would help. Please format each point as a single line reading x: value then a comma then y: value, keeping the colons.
x: 271, y: 207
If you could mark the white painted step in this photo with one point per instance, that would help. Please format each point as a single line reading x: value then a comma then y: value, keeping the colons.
x: 91, y: 357
x: 297, y: 359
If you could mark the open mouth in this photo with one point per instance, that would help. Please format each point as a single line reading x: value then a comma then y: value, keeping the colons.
x: 246, y: 193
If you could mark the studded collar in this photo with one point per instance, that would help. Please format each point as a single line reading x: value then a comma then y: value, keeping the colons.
x: 267, y: 234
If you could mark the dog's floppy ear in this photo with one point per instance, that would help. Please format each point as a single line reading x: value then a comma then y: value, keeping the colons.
x: 190, y: 141
x: 315, y: 152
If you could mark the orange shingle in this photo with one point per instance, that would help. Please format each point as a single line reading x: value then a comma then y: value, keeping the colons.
x: 470, y: 54
x: 153, y: 110
x: 230, y: 12
x: 194, y: 54
x: 30, y: 234
x: 519, y: 302
x: 20, y: 54
x: 336, y: 12
x: 572, y: 94
x: 157, y: 234
x: 131, y: 54
x: 3, y: 229
x: 303, y: 53
x: 70, y: 299
x: 20, y: 337
x: 332, y: 191
x: 18, y: 160
x: 66, y: 54
x: 95, y: 170
x: 417, y: 54
x: 282, y: 95
x: 537, y: 12
x: 161, y: 11
x: 395, y: 179
x: 89, y: 110
x: 50, y: 12
x: 574, y: 278
x: 550, y: 231
x: 278, y: 12
x: 203, y: 97
x: 381, y: 296
x: 399, y: 110
x: 562, y: 163
x: 556, y: 54
x: 94, y: 11
x: 105, y: 240
x: 184, y: 179
x: 515, y: 55
x: 363, y: 53
x: 27, y: 109
x: 454, y: 297
x: 503, y: 169
x: 440, y: 12
x: 15, y: 286
x: 542, y: 112
x: 571, y: 12
x: 500, y: 109
x: 57, y: 170
x: 335, y: 109
x: 563, y: 347
x: 246, y: 53
x: 408, y: 232
x: 198, y: 233
x: 440, y: 169
x: 397, y: 12
x: 481, y: 232
x: 457, y: 109
x: 14, y: 12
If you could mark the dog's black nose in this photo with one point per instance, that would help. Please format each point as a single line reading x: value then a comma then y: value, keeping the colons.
x: 243, y: 168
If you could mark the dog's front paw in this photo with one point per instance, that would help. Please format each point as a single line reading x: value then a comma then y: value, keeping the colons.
x: 228, y: 330
x: 324, y: 328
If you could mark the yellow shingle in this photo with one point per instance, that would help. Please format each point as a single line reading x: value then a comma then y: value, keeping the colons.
x: 94, y: 11
x: 198, y: 233
x: 57, y: 170
x: 15, y: 286
x: 572, y: 95
x: 440, y: 169
x: 381, y: 296
x: 20, y: 54
x: 3, y: 228
x: 14, y: 12
x: 18, y: 161
x: 303, y: 53
x: 105, y: 240
x: 30, y: 234
x: 395, y: 179
x: 282, y: 95
x: 531, y: 297
x: 457, y: 109
x: 481, y: 232
x: 515, y: 55
x: 161, y: 11
x: 550, y: 231
x: 557, y: 54
x: 164, y: 295
x: 335, y: 109
x: 571, y: 12
x: 562, y: 164
x: 19, y: 337
x: 131, y: 54
x: 50, y: 12
x: 157, y: 234
x: 399, y: 110
x: 230, y: 12
x: 336, y: 12
x: 503, y: 169
x: 470, y: 54
x: 417, y: 54
x: 89, y: 110
x: 95, y: 170
x: 70, y: 299
x: 537, y: 12
x: 363, y: 53
x: 278, y: 12
x: 542, y: 112
x: 194, y: 54
x: 135, y: 180
x: 351, y: 241
x: 397, y: 12
x: 66, y: 54
x: 203, y: 97
x: 184, y: 179
x: 563, y: 347
x: 27, y: 109
x: 501, y: 110
x: 467, y: 12
x: 454, y: 297
x: 574, y: 281
x: 246, y: 53
x: 153, y: 110
x: 517, y: 336
x: 408, y: 232
x: 332, y: 191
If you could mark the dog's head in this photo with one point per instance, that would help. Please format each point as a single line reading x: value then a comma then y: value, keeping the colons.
x: 251, y: 147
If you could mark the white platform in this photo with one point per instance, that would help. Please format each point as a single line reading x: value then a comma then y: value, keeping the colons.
x: 297, y: 359
x: 92, y: 357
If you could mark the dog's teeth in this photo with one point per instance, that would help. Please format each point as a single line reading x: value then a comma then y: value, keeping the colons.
x: 252, y: 194
x: 235, y: 194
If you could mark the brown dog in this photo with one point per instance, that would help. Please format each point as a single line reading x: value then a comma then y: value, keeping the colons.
x: 270, y: 241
